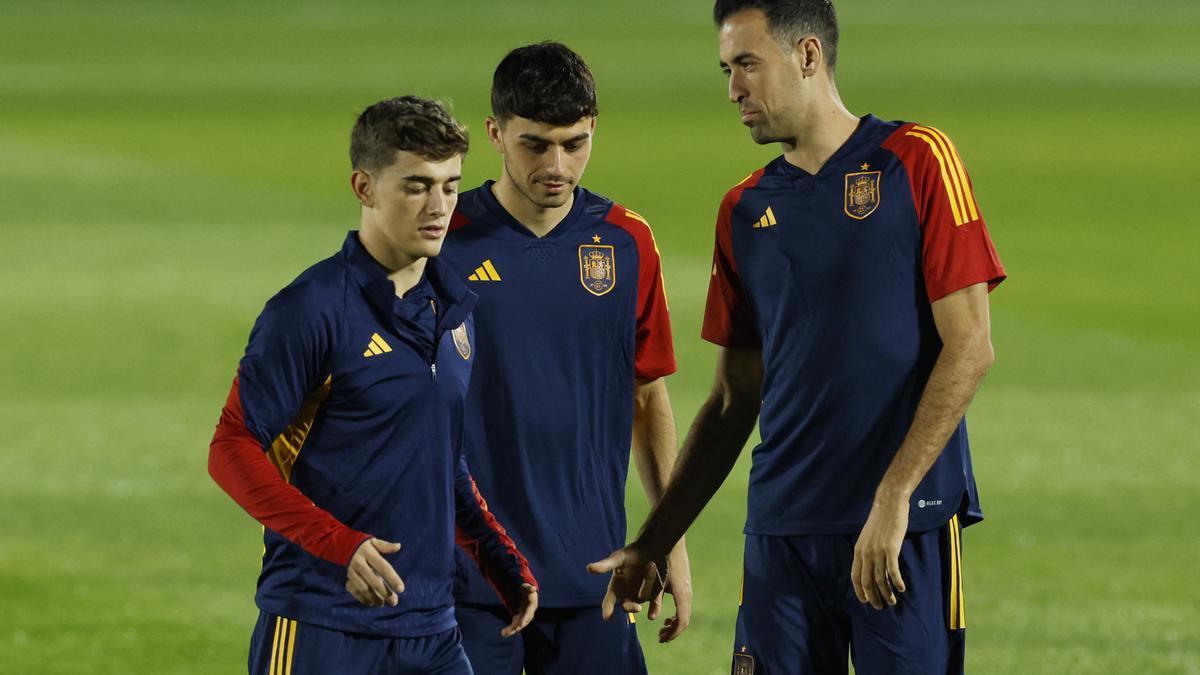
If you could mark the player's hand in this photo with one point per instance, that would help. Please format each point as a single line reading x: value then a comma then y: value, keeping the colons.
x: 526, y: 607
x: 638, y: 575
x: 680, y: 588
x: 370, y: 578
x: 875, y: 573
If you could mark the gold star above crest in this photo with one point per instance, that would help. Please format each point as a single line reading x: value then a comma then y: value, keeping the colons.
x: 595, y: 239
x: 865, y: 166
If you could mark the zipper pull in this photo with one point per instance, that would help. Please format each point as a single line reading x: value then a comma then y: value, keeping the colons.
x: 433, y: 371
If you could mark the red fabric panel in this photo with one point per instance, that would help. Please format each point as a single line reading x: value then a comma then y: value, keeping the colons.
x: 957, y: 251
x: 239, y: 465
x: 728, y: 319
x: 654, y: 350
x: 472, y: 547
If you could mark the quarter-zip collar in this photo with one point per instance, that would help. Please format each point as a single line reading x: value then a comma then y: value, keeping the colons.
x: 454, y: 301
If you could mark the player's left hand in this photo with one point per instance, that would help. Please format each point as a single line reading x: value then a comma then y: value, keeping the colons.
x: 875, y: 572
x: 680, y: 588
x: 526, y: 608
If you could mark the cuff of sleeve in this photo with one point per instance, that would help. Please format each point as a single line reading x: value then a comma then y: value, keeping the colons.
x: 342, y: 546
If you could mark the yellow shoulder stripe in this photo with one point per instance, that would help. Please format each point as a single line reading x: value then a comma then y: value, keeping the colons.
x: 959, y: 171
x: 636, y: 216
x: 954, y: 176
x: 286, y: 448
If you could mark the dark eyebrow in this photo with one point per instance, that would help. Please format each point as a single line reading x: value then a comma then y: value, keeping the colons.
x: 741, y: 58
x: 538, y: 139
x: 427, y: 181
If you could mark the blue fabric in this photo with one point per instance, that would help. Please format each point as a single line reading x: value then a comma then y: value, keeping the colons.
x: 848, y: 344
x: 551, y: 402
x: 799, y: 614
x: 305, y: 649
x: 383, y: 454
x: 559, y: 641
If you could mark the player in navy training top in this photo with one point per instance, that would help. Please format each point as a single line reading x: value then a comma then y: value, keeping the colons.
x: 342, y: 434
x: 574, y: 344
x: 849, y: 298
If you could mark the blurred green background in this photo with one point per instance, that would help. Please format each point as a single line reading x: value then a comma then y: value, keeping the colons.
x: 166, y: 167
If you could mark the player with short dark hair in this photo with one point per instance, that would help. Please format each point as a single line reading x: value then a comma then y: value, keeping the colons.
x: 849, y: 296
x: 342, y: 432
x: 575, y: 345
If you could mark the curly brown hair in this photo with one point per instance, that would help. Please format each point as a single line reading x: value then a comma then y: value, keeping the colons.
x: 409, y: 123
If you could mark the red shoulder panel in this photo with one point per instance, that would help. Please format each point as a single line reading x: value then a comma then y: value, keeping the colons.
x: 457, y: 220
x: 728, y: 319
x: 956, y: 249
x: 654, y: 351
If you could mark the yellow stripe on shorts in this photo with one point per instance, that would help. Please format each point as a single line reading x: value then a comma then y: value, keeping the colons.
x: 958, y: 612
x: 283, y: 646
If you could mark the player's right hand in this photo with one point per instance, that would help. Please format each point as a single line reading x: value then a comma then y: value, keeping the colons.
x: 637, y: 576
x: 370, y: 578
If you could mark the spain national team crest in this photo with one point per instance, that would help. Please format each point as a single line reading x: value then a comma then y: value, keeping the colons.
x: 862, y: 193
x: 597, y: 268
x: 743, y: 664
x: 461, y: 342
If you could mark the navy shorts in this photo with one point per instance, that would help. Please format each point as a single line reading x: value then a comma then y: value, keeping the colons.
x: 799, y: 614
x: 575, y: 641
x: 282, y: 646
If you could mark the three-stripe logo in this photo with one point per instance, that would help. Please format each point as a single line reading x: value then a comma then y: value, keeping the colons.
x: 485, y: 272
x: 376, y: 346
x: 767, y: 220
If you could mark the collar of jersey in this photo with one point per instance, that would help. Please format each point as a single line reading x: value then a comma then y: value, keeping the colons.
x: 501, y: 215
x: 455, y: 299
x: 865, y: 131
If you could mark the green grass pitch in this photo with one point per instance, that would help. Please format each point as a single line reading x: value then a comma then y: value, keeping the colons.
x: 166, y: 167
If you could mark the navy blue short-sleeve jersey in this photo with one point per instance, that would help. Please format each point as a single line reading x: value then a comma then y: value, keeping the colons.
x: 566, y: 323
x: 832, y: 275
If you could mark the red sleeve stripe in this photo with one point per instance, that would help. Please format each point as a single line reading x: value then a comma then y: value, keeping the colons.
x: 472, y: 547
x: 286, y: 448
x: 954, y: 176
x: 237, y: 463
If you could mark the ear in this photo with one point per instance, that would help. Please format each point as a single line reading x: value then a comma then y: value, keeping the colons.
x: 493, y: 132
x: 360, y: 183
x: 811, y: 54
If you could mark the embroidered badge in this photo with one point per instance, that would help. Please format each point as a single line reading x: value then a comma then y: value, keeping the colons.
x: 862, y: 193
x: 597, y: 268
x: 461, y: 342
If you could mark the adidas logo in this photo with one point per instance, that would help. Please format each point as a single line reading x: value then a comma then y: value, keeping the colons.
x: 485, y: 272
x: 768, y: 220
x: 376, y: 346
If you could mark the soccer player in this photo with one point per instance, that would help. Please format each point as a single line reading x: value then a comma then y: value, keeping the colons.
x: 342, y: 433
x: 849, y: 298
x: 574, y: 344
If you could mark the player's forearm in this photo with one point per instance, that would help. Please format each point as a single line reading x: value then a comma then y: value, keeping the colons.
x: 712, y: 447
x: 246, y: 475
x: 238, y: 464
x: 952, y: 384
x: 654, y: 439
x: 484, y: 539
